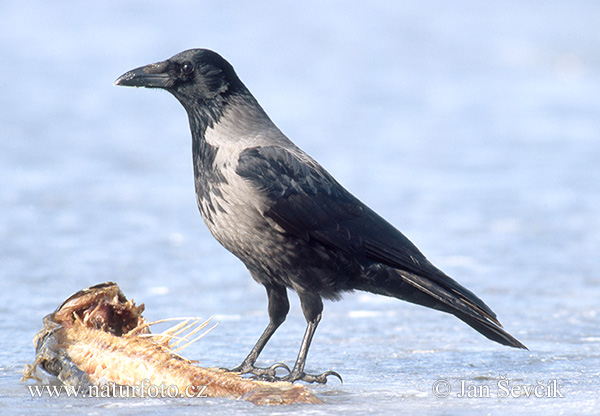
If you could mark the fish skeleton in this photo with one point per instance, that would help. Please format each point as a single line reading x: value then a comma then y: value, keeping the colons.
x: 99, y: 338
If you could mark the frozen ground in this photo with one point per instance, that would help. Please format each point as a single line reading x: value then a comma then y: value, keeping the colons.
x: 472, y: 126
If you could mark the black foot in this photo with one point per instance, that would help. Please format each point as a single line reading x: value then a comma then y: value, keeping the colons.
x: 266, y: 373
x: 309, y: 378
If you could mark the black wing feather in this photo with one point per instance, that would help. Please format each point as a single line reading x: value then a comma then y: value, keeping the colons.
x: 307, y: 202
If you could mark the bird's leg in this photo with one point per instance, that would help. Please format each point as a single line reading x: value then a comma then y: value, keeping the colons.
x: 312, y: 306
x: 247, y: 366
x: 278, y: 309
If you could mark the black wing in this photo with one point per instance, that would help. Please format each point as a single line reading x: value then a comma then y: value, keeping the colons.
x: 308, y: 203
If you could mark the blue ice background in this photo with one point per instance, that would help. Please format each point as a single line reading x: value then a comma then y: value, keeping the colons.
x: 472, y: 126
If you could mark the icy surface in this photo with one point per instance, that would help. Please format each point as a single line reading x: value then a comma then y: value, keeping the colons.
x: 472, y: 126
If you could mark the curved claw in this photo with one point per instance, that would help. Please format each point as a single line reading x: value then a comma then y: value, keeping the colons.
x: 260, y: 372
x: 270, y: 373
x: 331, y: 373
x: 311, y: 378
x: 280, y: 365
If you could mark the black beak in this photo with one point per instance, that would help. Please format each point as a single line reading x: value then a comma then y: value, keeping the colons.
x: 149, y: 76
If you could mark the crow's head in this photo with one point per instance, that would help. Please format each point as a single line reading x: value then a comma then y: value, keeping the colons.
x: 195, y: 76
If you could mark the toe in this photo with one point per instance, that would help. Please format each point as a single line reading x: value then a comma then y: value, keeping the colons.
x: 311, y: 378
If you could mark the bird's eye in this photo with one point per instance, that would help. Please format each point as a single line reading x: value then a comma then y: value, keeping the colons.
x: 187, y: 68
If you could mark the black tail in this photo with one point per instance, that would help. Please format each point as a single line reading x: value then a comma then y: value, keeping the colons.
x: 443, y: 293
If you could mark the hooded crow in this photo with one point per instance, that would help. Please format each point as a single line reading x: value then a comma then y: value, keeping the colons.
x: 287, y: 219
